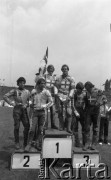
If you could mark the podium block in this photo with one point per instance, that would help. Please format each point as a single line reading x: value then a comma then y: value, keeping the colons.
x: 25, y: 161
x: 85, y: 157
x: 57, y: 144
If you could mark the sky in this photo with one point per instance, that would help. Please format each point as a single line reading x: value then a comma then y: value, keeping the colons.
x: 77, y: 33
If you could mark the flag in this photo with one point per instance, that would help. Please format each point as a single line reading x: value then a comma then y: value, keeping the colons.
x: 43, y: 64
x: 46, y: 56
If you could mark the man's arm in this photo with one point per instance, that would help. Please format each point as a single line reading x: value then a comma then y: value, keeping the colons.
x: 7, y: 97
x: 28, y: 99
x: 75, y: 98
x: 72, y: 87
x: 58, y: 85
x: 49, y: 99
x: 100, y: 97
x: 32, y: 95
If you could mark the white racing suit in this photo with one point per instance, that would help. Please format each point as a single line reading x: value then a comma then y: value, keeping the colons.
x: 65, y: 93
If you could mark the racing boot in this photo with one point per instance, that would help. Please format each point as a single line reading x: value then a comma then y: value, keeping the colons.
x: 27, y: 148
x: 61, y: 123
x: 77, y: 140
x: 17, y: 146
x: 69, y: 125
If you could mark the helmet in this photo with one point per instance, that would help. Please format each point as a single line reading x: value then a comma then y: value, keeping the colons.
x: 80, y: 85
x: 21, y: 79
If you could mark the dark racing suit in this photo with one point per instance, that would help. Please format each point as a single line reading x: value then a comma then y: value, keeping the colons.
x: 79, y: 103
x: 92, y: 116
x: 21, y: 98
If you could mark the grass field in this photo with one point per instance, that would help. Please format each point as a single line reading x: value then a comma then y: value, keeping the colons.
x: 7, y: 148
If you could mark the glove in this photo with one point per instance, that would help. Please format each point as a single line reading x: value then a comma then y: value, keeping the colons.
x: 25, y: 106
x: 44, y: 106
x: 68, y: 98
x: 12, y: 103
x: 76, y: 113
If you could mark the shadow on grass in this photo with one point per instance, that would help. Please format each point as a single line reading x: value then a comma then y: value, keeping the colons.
x: 5, y: 158
x: 10, y: 147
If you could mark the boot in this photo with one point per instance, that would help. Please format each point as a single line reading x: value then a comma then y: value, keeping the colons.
x: 77, y: 140
x: 46, y: 119
x: 17, y: 146
x: 83, y: 139
x: 84, y: 148
x: 69, y: 125
x: 94, y: 143
x: 46, y: 125
x: 94, y: 140
x: 61, y: 123
x: 86, y: 141
x: 38, y: 145
x: 54, y: 126
x: 28, y: 147
x: 92, y: 147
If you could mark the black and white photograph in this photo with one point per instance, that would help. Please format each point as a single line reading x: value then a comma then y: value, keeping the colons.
x: 55, y: 89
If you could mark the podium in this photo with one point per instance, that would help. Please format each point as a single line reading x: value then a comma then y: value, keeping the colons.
x: 55, y: 145
x: 25, y: 161
x: 85, y: 157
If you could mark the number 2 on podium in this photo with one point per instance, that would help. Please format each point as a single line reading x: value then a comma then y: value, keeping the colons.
x: 26, y: 163
x: 57, y: 144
